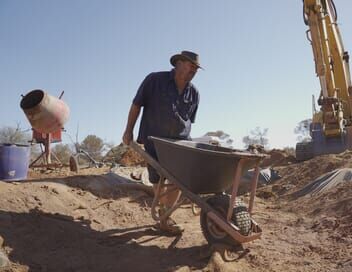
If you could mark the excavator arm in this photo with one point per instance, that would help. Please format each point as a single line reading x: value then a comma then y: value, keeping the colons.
x: 331, y: 125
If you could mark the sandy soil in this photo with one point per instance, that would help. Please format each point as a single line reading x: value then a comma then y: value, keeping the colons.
x: 61, y: 221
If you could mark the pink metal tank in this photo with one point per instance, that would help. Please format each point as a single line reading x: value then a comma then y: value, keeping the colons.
x: 45, y: 113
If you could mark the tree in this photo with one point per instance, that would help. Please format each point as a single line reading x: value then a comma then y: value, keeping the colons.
x: 257, y: 137
x: 93, y: 145
x: 62, y: 152
x: 303, y: 130
x: 12, y: 135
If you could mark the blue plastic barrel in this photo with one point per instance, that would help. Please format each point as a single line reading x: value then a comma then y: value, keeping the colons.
x: 14, y: 161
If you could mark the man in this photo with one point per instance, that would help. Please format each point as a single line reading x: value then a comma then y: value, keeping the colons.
x: 170, y: 102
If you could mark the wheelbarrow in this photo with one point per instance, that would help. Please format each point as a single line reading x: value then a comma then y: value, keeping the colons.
x: 203, y: 173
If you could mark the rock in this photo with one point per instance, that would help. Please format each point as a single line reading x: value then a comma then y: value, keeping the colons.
x: 265, y: 194
x: 4, y: 261
x: 216, y: 262
x: 183, y: 269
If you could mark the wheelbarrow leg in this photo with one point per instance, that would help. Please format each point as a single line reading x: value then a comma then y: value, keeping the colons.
x: 236, y: 183
x: 155, y: 203
x: 161, y: 191
x: 254, y: 184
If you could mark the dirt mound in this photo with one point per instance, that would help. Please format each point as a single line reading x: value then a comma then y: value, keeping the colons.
x: 278, y: 157
x: 131, y: 158
x: 124, y: 155
x: 325, y: 182
x: 88, y: 223
x: 330, y: 210
x: 320, y: 188
x: 297, y: 175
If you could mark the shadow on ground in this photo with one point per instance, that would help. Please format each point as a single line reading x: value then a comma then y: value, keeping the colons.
x: 55, y: 242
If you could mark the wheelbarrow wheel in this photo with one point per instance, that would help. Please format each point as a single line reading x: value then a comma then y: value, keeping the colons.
x: 240, y: 217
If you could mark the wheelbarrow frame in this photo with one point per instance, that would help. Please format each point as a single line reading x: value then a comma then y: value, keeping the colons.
x: 224, y: 223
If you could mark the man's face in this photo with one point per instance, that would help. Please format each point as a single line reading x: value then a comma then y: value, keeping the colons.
x: 188, y: 70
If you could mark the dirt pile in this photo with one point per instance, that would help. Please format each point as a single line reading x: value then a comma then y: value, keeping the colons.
x: 320, y: 188
x: 131, y: 158
x: 328, y: 200
x: 333, y: 210
x: 124, y: 155
x: 297, y: 175
x: 277, y: 157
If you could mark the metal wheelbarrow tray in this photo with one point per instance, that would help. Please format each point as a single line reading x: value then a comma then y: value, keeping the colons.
x: 203, y: 172
x: 201, y: 168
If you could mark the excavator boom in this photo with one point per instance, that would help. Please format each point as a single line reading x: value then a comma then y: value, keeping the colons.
x: 331, y: 128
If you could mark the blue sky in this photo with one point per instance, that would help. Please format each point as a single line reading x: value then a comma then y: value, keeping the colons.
x: 259, y: 68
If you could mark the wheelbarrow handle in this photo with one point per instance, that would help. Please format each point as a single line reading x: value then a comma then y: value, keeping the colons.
x: 149, y: 159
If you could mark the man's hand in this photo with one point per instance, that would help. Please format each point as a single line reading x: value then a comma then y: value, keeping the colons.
x: 132, y: 118
x: 127, y: 137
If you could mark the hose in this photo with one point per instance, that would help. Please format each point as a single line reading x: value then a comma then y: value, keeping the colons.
x: 333, y: 8
x: 305, y: 17
x: 324, y: 3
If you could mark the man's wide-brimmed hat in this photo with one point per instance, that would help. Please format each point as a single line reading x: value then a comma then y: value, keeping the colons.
x: 186, y: 55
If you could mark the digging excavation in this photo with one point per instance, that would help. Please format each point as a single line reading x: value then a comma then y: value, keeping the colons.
x: 94, y: 221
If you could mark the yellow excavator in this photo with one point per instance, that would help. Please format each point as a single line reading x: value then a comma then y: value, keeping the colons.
x: 331, y: 127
